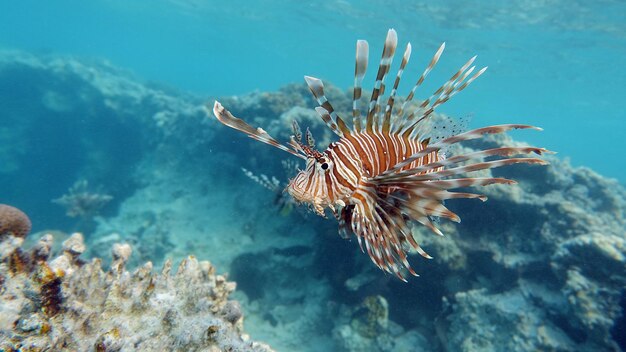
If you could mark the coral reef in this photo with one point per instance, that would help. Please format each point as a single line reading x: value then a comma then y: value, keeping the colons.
x: 367, y: 327
x: 551, y: 260
x: 66, y: 303
x: 539, y: 266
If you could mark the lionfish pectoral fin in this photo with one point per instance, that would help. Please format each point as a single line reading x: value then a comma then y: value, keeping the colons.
x: 422, y: 198
x: 345, y: 226
x: 420, y: 191
x: 466, y: 136
x: 380, y: 227
x: 225, y: 117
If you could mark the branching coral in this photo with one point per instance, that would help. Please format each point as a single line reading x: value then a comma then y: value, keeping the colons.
x: 81, y: 201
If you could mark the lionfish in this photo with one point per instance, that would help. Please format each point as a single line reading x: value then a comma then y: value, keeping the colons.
x: 384, y: 171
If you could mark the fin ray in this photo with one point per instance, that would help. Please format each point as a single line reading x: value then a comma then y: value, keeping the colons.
x: 226, y: 118
x: 391, y: 42
x: 360, y: 67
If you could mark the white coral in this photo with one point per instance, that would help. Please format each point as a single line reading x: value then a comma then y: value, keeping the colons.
x: 72, y: 305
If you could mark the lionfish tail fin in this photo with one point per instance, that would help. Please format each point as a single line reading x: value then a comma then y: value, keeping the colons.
x: 225, y: 117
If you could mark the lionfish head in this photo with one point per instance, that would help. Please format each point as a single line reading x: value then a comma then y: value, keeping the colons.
x: 309, y: 185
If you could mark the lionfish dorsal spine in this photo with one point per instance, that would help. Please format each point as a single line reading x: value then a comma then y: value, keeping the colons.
x: 431, y: 65
x: 394, y: 90
x: 327, y: 112
x: 389, y: 50
x: 455, y: 84
x: 360, y: 67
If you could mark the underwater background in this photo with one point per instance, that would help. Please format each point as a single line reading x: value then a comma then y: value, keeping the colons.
x: 103, y: 132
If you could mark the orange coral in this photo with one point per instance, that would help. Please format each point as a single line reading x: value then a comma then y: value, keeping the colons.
x: 13, y: 220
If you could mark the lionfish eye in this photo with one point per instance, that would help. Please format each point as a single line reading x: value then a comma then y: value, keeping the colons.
x: 325, y: 166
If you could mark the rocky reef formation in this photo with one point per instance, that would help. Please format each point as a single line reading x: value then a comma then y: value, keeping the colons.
x: 70, y: 119
x: 544, y: 262
x: 67, y: 303
x: 540, y: 266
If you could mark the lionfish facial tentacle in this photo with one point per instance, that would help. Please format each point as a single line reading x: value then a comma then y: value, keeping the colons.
x: 296, y: 145
x: 297, y: 132
x: 309, y: 138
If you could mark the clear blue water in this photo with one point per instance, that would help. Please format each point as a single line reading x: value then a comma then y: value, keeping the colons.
x: 556, y: 64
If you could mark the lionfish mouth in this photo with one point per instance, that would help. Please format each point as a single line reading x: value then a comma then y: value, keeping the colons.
x: 299, y: 195
x: 302, y: 196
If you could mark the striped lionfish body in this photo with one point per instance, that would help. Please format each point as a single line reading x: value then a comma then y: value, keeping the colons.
x: 384, y: 170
